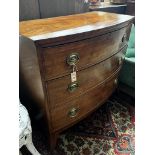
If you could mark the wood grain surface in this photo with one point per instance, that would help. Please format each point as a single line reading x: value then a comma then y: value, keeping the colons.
x: 87, y: 79
x: 67, y: 25
x: 85, y: 104
x: 91, y: 51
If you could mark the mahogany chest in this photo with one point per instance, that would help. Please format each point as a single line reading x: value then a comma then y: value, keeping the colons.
x: 70, y: 64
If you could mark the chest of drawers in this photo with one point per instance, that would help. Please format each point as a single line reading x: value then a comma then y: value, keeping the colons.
x: 92, y: 44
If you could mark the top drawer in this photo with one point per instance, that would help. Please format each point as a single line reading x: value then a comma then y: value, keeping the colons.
x: 90, y: 51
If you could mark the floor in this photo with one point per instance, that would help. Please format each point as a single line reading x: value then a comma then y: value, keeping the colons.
x: 108, y: 131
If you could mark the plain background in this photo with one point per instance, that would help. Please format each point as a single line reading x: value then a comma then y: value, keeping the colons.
x: 145, y: 77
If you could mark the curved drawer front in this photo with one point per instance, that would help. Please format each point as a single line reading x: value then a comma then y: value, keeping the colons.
x: 90, y: 51
x: 87, y: 79
x: 81, y: 106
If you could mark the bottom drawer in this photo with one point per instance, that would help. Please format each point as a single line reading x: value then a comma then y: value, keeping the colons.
x: 78, y: 108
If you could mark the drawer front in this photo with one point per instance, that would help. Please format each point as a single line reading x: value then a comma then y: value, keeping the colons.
x: 58, y: 89
x: 90, y: 51
x: 78, y: 108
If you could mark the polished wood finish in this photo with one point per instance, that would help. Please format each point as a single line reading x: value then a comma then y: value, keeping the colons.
x: 68, y: 25
x: 87, y: 79
x: 85, y: 104
x: 29, y: 70
x: 91, y: 51
x: 99, y: 38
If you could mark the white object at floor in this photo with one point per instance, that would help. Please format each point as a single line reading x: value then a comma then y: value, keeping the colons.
x: 25, y: 131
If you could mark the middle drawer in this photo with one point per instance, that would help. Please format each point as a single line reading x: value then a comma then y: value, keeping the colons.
x: 87, y: 79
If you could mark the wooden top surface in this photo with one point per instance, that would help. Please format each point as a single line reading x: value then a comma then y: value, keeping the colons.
x: 67, y: 25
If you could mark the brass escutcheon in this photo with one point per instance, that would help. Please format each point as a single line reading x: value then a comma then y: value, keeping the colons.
x: 73, y: 86
x: 72, y: 59
x: 73, y: 112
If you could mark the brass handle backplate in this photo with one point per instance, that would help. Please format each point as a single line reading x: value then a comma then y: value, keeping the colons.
x: 73, y: 112
x: 73, y: 86
x: 72, y: 59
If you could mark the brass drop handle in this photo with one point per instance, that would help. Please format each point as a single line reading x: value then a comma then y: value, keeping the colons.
x: 72, y: 59
x: 73, y: 112
x: 73, y: 86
